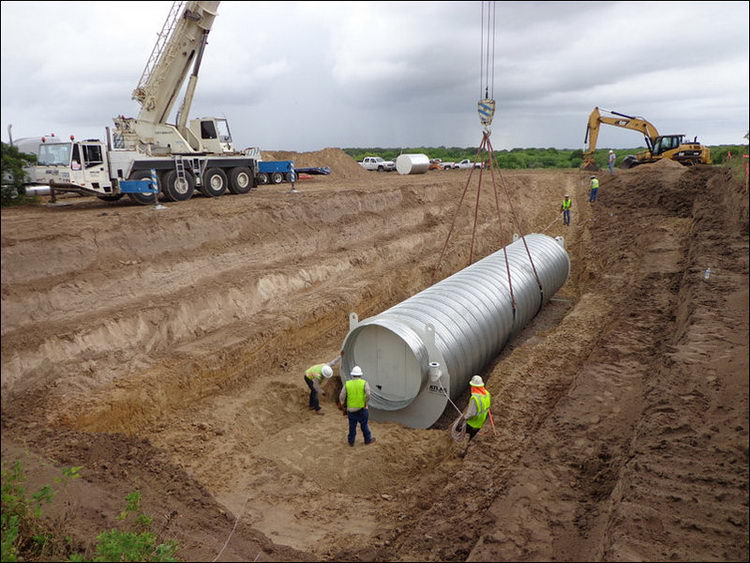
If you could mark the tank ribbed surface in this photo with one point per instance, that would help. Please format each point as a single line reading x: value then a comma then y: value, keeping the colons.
x: 412, y: 164
x: 472, y: 315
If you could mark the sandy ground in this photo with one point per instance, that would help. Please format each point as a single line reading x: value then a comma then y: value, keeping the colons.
x: 164, y: 351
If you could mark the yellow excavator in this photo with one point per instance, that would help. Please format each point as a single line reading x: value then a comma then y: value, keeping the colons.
x: 673, y: 147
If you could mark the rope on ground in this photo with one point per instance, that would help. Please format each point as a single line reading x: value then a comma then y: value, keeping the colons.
x: 228, y: 538
x: 236, y: 521
x: 552, y: 223
x: 458, y: 429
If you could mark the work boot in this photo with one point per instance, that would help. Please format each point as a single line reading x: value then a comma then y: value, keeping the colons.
x: 351, y: 444
x: 370, y: 442
x: 319, y: 411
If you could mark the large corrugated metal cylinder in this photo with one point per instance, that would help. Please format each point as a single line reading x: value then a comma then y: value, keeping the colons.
x: 412, y: 164
x: 460, y: 323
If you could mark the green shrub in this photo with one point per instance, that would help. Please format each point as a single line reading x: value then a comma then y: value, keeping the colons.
x: 12, y: 175
x: 25, y: 536
x: 136, y: 544
x: 22, y: 530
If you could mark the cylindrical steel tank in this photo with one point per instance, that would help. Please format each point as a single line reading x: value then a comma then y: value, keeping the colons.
x: 460, y: 324
x: 412, y: 164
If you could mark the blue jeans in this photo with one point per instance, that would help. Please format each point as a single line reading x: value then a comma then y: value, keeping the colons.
x: 314, y: 403
x: 360, y: 417
x: 566, y: 217
x: 592, y: 195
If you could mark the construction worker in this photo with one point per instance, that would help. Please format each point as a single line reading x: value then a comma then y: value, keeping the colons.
x: 611, y: 161
x: 565, y: 208
x: 313, y: 377
x: 477, y: 410
x: 594, y: 189
x: 354, y: 397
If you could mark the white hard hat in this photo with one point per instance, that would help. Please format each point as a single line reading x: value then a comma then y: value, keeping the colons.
x: 611, y: 151
x: 356, y: 371
x: 593, y: 176
x: 476, y: 381
x: 327, y: 371
x: 567, y: 195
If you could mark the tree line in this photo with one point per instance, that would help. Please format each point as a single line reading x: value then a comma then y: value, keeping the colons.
x: 528, y: 157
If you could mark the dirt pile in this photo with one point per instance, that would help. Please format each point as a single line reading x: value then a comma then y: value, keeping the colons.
x: 665, y: 163
x: 341, y: 164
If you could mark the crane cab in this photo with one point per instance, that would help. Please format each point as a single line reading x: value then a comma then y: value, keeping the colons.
x: 213, y: 133
x: 77, y: 166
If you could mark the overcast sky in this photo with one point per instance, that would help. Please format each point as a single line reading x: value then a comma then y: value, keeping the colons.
x: 304, y: 76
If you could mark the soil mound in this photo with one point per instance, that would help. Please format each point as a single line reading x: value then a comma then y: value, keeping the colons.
x: 341, y: 164
x: 665, y: 163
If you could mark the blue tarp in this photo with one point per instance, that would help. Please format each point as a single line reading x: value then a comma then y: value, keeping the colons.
x: 321, y: 170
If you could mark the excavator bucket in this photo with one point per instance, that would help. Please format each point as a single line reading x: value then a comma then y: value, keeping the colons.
x: 589, y: 164
x: 628, y: 162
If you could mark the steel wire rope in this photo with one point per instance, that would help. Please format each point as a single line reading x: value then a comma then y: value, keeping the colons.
x: 481, y: 55
x: 514, y: 218
x: 494, y: 9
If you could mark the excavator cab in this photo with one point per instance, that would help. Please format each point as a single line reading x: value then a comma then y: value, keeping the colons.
x: 665, y: 143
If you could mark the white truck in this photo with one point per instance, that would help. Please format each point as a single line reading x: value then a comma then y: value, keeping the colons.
x: 466, y: 163
x: 185, y: 156
x: 377, y: 163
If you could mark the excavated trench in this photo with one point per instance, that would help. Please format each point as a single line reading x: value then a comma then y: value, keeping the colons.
x: 237, y: 421
x: 201, y: 355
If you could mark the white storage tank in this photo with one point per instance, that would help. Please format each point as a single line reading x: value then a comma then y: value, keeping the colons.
x: 412, y: 164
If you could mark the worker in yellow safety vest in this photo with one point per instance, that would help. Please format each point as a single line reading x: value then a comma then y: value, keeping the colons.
x: 477, y: 410
x: 594, y: 189
x: 354, y: 397
x: 565, y: 208
x: 314, y: 377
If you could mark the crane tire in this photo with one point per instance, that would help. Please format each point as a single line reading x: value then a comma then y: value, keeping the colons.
x: 240, y: 180
x: 176, y: 190
x: 143, y: 199
x: 214, y: 182
x: 277, y: 178
x: 262, y: 178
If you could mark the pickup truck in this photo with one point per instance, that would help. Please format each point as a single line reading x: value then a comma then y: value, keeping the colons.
x: 466, y: 163
x: 377, y: 163
x: 449, y: 165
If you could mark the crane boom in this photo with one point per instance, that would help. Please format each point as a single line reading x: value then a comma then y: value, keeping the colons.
x: 180, y: 43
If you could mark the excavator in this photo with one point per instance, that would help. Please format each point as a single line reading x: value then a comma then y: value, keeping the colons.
x: 673, y: 147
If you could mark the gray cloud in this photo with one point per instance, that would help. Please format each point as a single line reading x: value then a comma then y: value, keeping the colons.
x: 307, y: 75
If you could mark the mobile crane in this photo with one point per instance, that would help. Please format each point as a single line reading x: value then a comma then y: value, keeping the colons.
x: 659, y: 146
x: 185, y: 155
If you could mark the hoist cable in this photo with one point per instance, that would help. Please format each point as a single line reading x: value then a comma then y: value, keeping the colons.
x: 514, y: 218
x: 494, y: 8
x: 481, y: 57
